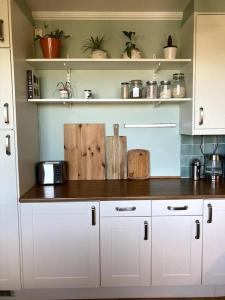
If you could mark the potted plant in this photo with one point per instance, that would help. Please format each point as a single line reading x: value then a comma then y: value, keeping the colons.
x: 95, y: 44
x: 64, y: 90
x: 130, y: 50
x: 51, y: 42
x: 170, y: 51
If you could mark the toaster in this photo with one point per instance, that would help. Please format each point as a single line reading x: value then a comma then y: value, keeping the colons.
x: 51, y: 172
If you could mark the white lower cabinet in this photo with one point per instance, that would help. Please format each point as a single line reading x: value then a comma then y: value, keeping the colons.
x: 60, y: 243
x: 214, y: 242
x: 176, y: 244
x: 9, y: 231
x: 126, y: 244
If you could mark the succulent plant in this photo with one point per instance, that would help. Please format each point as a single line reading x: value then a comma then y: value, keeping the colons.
x: 94, y: 43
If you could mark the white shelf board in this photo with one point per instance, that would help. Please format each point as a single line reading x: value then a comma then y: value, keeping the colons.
x: 105, y: 64
x: 108, y: 101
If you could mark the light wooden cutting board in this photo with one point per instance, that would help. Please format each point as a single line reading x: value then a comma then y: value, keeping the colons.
x: 116, y: 155
x: 138, y: 164
x: 84, y: 149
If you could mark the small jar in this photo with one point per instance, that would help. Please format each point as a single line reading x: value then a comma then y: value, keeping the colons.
x: 165, y: 90
x: 178, y: 90
x: 124, y: 90
x: 136, y: 88
x: 151, y: 90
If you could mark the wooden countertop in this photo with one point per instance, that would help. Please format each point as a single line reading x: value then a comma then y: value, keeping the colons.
x: 91, y: 190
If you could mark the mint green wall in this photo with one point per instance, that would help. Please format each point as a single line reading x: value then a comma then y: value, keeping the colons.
x: 164, y: 144
x: 210, y: 5
x: 25, y: 9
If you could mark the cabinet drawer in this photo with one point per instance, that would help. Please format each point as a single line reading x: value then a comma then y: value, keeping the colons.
x: 125, y: 208
x: 177, y: 207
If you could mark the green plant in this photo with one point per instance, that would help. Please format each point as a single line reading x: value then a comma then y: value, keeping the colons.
x: 130, y: 45
x: 57, y: 34
x: 94, y: 43
x: 170, y: 42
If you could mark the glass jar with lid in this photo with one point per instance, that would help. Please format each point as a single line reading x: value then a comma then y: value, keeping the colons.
x: 178, y: 89
x: 124, y: 90
x: 136, y: 87
x: 165, y: 89
x: 151, y: 89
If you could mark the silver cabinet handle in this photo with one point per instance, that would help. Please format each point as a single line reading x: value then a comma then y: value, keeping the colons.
x: 201, y: 116
x: 6, y: 113
x: 197, y: 236
x: 133, y: 208
x: 209, y: 213
x: 1, y: 31
x: 7, y: 145
x: 177, y: 208
x: 146, y: 231
x: 93, y: 215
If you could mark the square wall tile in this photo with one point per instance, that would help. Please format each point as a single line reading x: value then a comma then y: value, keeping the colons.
x: 186, y: 139
x: 186, y: 149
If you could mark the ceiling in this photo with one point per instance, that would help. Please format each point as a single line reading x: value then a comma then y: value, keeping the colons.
x: 108, y: 5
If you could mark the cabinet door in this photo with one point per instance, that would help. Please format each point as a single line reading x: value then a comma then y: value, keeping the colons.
x: 125, y: 251
x: 9, y: 237
x: 6, y: 102
x: 176, y: 250
x: 209, y: 73
x: 60, y: 245
x: 4, y: 24
x: 214, y: 242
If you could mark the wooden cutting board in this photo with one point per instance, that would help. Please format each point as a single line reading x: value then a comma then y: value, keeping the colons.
x: 116, y: 155
x: 138, y: 164
x: 84, y: 149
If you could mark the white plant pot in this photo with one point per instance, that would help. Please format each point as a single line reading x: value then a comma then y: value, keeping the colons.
x: 170, y: 52
x: 99, y: 54
x: 135, y: 54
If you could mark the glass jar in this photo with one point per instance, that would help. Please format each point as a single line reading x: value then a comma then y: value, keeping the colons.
x: 178, y: 90
x: 151, y: 90
x: 124, y: 90
x: 165, y: 89
x: 136, y: 87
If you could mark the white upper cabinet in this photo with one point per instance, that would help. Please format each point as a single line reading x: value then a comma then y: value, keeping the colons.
x: 6, y: 101
x: 209, y: 73
x: 60, y: 243
x: 9, y: 239
x: 214, y: 242
x: 202, y: 37
x: 4, y: 24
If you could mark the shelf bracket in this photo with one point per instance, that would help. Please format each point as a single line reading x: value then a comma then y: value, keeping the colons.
x: 156, y: 104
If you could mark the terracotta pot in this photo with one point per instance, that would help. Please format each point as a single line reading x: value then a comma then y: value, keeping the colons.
x: 50, y: 47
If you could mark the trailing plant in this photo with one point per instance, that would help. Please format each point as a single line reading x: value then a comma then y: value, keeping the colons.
x: 130, y: 45
x: 56, y: 34
x: 94, y: 43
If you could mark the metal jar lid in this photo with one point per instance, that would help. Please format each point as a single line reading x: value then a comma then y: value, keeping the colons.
x: 136, y: 81
x: 166, y: 82
x: 151, y: 82
x: 124, y: 83
x: 214, y: 157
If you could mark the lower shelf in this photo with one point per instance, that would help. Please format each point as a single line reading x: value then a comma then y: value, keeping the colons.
x: 105, y: 101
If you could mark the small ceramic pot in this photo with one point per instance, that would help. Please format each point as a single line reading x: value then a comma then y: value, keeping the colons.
x: 135, y: 54
x: 170, y: 52
x: 99, y: 54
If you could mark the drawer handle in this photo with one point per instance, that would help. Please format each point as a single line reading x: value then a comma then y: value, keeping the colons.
x: 133, y: 208
x: 177, y: 208
x: 197, y: 237
x: 6, y: 113
x: 1, y: 31
x: 146, y: 231
x: 93, y: 216
x: 209, y: 213
x: 7, y: 145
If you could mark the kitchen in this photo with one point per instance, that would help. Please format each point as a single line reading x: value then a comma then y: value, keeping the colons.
x: 32, y: 263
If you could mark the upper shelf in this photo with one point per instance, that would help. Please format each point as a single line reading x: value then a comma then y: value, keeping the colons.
x: 106, y: 64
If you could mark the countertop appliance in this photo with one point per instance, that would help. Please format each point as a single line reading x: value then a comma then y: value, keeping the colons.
x: 213, y: 166
x: 51, y: 172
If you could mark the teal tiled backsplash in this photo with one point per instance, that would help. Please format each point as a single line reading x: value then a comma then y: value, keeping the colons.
x: 190, y: 149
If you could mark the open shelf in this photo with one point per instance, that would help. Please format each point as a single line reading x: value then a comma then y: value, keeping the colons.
x: 106, y: 64
x: 108, y: 101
